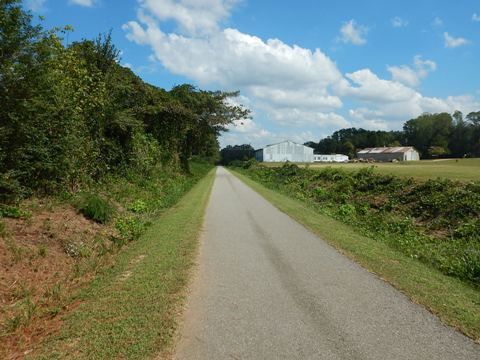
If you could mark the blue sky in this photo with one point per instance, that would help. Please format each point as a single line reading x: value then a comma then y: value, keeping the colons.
x: 305, y: 68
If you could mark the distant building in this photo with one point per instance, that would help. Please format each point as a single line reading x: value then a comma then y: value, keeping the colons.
x: 403, y: 153
x: 285, y: 151
x: 330, y: 158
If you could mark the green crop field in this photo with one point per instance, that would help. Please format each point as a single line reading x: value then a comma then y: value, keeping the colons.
x: 455, y: 169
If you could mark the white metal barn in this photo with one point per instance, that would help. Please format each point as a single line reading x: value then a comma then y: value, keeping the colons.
x: 285, y: 151
x: 401, y: 153
x: 330, y: 158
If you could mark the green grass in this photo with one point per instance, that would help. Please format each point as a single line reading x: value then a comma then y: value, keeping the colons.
x: 456, y: 303
x: 455, y: 169
x: 129, y: 310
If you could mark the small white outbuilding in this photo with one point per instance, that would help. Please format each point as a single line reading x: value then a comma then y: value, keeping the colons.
x: 285, y: 151
x: 330, y: 158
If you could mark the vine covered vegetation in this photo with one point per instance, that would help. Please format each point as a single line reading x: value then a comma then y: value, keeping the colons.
x: 71, y: 116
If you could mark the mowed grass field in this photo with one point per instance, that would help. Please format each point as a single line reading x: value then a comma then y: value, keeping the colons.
x: 455, y: 169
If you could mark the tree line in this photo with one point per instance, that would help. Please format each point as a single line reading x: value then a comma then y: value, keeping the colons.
x: 70, y: 114
x: 433, y: 135
x: 236, y: 152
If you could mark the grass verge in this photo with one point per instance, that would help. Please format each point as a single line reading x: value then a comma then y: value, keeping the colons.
x: 129, y: 310
x: 455, y: 302
x: 51, y: 247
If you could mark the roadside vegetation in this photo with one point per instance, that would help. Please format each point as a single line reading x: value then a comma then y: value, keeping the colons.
x: 90, y: 157
x: 455, y: 301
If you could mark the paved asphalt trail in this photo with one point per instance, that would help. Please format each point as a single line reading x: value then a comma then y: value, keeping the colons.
x: 267, y: 288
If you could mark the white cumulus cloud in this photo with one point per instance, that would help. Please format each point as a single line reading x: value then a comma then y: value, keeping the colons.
x: 452, y: 42
x: 301, y: 117
x: 397, y: 102
x: 193, y: 16
x: 398, y: 22
x: 404, y: 74
x: 412, y: 76
x: 437, y: 22
x: 230, y: 57
x: 370, y: 119
x: 353, y: 33
x: 277, y: 75
x: 247, y: 132
x: 476, y: 17
x: 369, y: 87
x: 86, y: 3
x: 296, y: 97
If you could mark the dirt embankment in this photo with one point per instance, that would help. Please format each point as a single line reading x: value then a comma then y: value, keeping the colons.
x: 44, y: 256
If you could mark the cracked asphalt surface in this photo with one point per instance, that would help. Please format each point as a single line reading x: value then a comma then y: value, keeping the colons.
x: 267, y: 288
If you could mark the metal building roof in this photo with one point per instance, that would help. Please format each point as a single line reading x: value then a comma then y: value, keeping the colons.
x: 387, y: 150
x: 284, y: 141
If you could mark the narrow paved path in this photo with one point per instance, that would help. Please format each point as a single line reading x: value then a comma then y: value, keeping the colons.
x: 267, y: 288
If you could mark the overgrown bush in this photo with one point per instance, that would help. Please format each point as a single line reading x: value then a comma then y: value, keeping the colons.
x: 96, y: 208
x: 236, y: 163
x: 139, y: 206
x: 12, y: 211
x: 10, y: 188
x: 129, y: 228
x: 250, y: 163
x: 146, y: 197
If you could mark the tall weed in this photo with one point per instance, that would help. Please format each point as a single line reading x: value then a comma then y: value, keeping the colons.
x: 96, y: 208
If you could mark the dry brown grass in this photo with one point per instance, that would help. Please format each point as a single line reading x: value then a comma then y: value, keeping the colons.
x: 43, y: 258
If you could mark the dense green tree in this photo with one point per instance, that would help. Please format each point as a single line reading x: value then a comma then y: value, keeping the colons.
x: 473, y: 119
x: 395, y: 143
x: 460, y: 139
x: 209, y: 113
x: 311, y: 144
x: 429, y: 130
x: 71, y: 115
x: 30, y: 144
x: 348, y: 149
x: 327, y: 146
x: 237, y: 152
